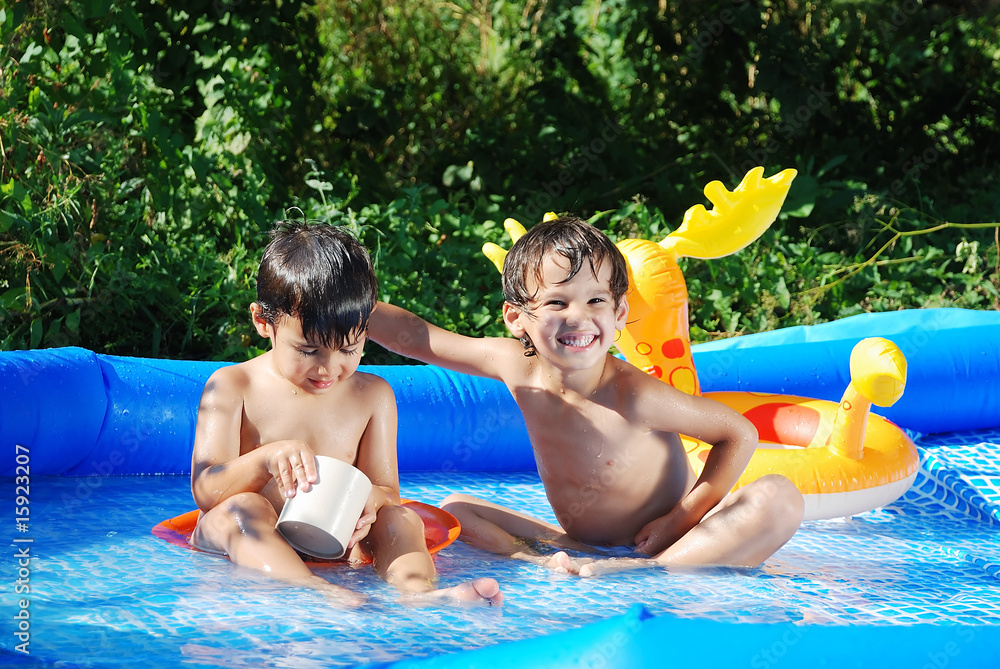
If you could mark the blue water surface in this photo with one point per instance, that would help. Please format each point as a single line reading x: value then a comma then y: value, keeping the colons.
x: 104, y: 592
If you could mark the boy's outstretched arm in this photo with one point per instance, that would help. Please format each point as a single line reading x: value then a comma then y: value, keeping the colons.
x: 733, y: 440
x: 407, y: 334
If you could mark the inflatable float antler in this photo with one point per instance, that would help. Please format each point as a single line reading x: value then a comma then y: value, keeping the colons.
x: 657, y: 336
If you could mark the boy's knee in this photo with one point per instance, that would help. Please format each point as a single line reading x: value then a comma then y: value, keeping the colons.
x: 456, y: 500
x: 399, y: 517
x: 780, y: 500
x: 247, y: 510
x: 242, y: 514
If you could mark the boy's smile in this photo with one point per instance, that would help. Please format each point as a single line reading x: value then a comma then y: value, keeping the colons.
x: 571, y: 324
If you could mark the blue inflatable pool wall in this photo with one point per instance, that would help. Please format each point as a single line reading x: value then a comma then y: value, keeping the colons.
x: 84, y: 414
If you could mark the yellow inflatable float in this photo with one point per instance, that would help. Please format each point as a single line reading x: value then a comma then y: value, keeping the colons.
x: 843, y: 458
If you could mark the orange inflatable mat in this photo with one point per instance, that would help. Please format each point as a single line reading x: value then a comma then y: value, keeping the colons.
x: 440, y: 527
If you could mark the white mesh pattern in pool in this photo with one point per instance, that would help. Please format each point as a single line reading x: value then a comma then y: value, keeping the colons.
x: 105, y: 592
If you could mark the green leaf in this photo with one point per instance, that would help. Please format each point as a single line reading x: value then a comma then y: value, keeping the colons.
x: 830, y: 164
x: 13, y: 299
x: 33, y: 50
x: 36, y: 333
x: 802, y: 196
x: 73, y: 321
x: 781, y: 290
x: 9, y: 219
x: 319, y: 185
x: 132, y: 22
x: 98, y: 8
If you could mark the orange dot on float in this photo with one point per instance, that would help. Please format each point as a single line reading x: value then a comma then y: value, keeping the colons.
x: 642, y: 348
x: 653, y: 370
x: 673, y: 348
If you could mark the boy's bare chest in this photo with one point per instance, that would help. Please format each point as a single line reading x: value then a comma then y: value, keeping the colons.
x: 604, y: 474
x: 587, y: 433
x: 332, y: 428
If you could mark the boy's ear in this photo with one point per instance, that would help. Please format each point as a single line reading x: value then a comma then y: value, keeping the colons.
x: 512, y: 319
x: 262, y: 326
x: 621, y: 314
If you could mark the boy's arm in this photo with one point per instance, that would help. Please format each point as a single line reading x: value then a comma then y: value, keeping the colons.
x: 377, y: 449
x: 218, y: 471
x: 377, y: 454
x: 407, y: 334
x: 733, y: 439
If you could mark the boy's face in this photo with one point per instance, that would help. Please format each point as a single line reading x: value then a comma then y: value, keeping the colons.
x: 573, y: 324
x: 308, y: 365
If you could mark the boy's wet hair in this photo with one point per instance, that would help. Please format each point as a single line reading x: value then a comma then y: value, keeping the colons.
x: 572, y: 238
x: 575, y: 240
x: 321, y: 275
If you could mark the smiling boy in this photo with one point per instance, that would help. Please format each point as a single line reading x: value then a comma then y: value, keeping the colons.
x: 262, y: 422
x: 604, y: 434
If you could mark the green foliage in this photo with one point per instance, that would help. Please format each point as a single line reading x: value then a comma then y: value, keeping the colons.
x: 147, y: 147
x: 578, y: 106
x: 142, y: 151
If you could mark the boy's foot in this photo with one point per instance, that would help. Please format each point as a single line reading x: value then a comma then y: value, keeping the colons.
x: 560, y: 562
x: 478, y: 592
x: 612, y: 565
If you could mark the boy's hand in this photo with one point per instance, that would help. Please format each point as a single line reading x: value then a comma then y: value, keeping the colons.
x: 293, y: 466
x: 658, y: 535
x: 365, y: 522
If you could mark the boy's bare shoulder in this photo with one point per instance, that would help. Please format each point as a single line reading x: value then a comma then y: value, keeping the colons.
x: 647, y: 395
x: 371, y: 385
x: 647, y: 400
x: 231, y: 377
x: 509, y: 358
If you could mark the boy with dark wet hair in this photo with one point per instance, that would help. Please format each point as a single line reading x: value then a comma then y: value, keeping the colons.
x: 604, y: 433
x: 262, y: 422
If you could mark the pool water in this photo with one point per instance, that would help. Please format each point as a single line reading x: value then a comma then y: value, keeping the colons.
x: 104, y: 592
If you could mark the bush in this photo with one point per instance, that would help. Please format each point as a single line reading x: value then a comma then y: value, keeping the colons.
x: 144, y: 148
x: 147, y: 148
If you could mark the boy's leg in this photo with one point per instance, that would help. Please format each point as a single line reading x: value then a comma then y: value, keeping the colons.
x: 503, y: 531
x: 242, y: 527
x: 745, y: 529
x: 400, y: 557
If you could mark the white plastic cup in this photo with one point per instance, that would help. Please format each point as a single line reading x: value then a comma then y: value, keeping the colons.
x: 320, y: 522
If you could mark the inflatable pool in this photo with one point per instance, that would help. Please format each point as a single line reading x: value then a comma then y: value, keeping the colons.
x: 913, y: 585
